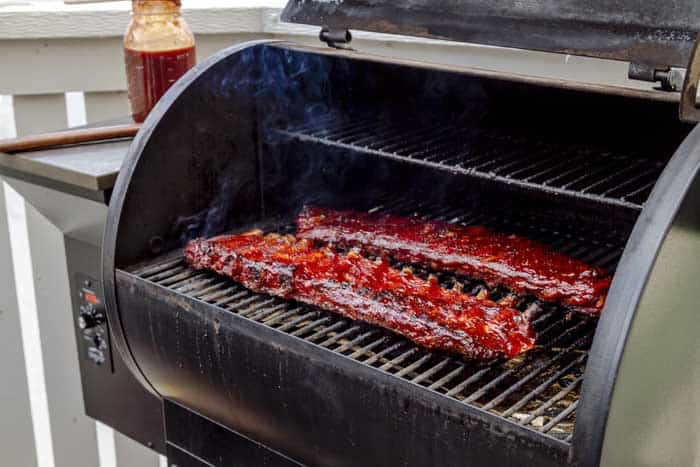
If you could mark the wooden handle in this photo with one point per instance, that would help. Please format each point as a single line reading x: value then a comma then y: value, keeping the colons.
x: 61, y: 138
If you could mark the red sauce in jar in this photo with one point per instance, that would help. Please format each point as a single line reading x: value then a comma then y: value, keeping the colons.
x: 151, y: 73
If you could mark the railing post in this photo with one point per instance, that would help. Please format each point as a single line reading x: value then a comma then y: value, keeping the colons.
x: 40, y: 112
x: 106, y: 105
x: 73, y: 433
x: 16, y: 430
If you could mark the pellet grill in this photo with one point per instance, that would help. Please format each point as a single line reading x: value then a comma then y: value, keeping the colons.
x: 603, y: 173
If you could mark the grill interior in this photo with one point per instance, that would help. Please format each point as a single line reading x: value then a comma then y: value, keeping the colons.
x: 538, y: 390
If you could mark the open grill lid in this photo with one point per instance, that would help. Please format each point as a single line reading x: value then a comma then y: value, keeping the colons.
x: 657, y: 39
x: 655, y: 35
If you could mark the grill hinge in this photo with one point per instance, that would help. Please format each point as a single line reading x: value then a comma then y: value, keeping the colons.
x: 336, y: 38
x: 683, y: 80
x: 669, y: 78
x: 689, y: 110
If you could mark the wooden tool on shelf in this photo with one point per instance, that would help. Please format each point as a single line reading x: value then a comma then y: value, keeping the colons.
x: 62, y: 138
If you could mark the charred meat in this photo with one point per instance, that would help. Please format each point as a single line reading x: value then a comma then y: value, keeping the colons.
x: 370, y: 291
x: 522, y: 265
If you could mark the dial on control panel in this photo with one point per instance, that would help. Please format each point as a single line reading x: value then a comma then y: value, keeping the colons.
x: 92, y: 324
x: 91, y: 316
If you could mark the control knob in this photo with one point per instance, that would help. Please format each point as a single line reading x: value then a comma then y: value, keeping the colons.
x: 91, y: 317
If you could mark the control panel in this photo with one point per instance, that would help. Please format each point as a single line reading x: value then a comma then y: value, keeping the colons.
x: 92, y: 323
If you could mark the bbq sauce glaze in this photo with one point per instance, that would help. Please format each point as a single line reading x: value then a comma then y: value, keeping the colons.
x: 366, y: 290
x: 522, y: 265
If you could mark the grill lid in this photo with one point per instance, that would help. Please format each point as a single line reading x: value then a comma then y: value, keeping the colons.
x: 657, y: 35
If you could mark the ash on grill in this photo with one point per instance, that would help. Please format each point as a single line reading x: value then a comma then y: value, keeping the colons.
x: 539, y: 389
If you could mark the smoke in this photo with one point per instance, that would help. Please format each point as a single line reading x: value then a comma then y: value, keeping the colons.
x: 279, y: 91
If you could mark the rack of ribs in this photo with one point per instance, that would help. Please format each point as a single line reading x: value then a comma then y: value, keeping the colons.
x: 520, y: 264
x: 367, y: 290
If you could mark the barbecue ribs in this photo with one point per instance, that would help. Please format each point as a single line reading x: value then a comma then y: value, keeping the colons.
x: 366, y: 290
x: 524, y: 266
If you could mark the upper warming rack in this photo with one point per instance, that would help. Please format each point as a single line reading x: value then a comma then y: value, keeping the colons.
x: 605, y: 177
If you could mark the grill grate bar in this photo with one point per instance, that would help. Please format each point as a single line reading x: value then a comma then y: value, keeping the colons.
x: 276, y: 318
x: 388, y: 350
x: 244, y: 302
x: 181, y: 268
x: 179, y: 279
x: 646, y: 187
x: 265, y: 312
x: 493, y: 383
x: 561, y: 416
x: 368, y: 347
x: 621, y: 174
x: 431, y: 371
x: 341, y: 128
x: 634, y: 181
x: 535, y: 371
x: 471, y: 380
x: 418, y: 140
x: 216, y: 287
x: 359, y: 134
x: 549, y: 403
x: 311, y: 325
x: 396, y: 137
x: 190, y: 286
x: 332, y: 340
x: 295, y: 321
x: 149, y: 272
x: 223, y: 301
x: 542, y: 387
x: 589, y: 174
x: 256, y: 306
x: 415, y: 365
x: 447, y: 378
x: 223, y: 293
x: 345, y: 346
x: 326, y: 331
x: 398, y: 360
x: 549, y: 167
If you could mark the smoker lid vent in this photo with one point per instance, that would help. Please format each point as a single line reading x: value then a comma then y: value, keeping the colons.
x: 651, y: 33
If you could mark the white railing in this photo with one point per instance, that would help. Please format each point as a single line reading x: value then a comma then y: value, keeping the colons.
x: 62, y: 66
x: 57, y: 49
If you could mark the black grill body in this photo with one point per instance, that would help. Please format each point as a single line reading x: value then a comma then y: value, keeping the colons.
x: 249, y: 137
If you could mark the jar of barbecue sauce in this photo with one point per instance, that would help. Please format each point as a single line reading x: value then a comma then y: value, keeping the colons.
x: 158, y: 49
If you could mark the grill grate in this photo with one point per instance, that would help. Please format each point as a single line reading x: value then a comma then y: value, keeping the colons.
x: 538, y: 390
x: 580, y: 172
